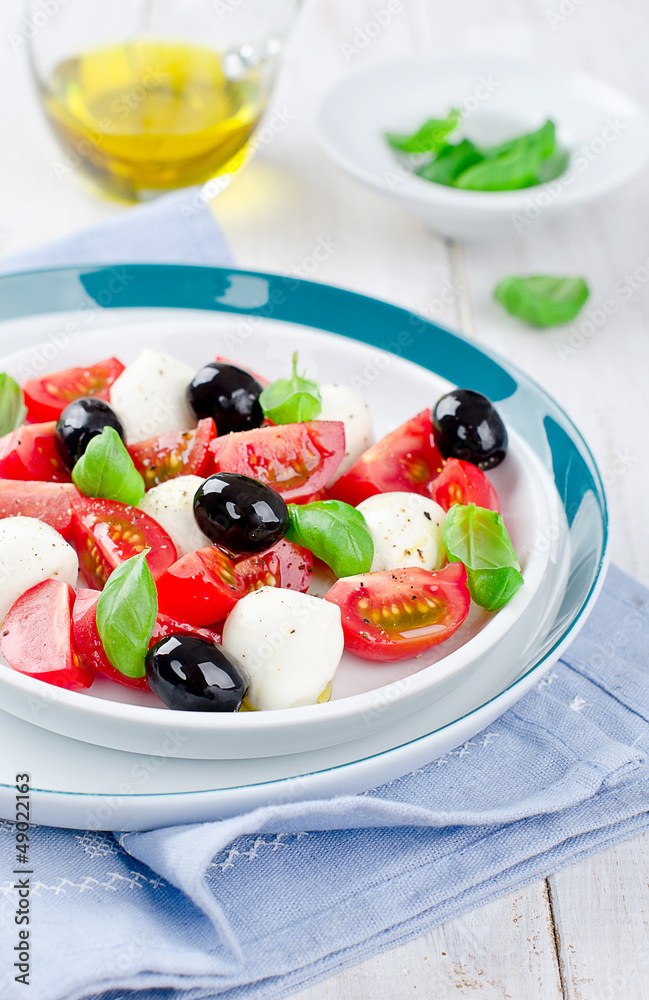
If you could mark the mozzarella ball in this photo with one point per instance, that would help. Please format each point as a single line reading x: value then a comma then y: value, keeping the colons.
x: 171, y: 504
x: 150, y: 396
x: 288, y: 643
x: 30, y: 552
x: 341, y: 402
x: 406, y: 529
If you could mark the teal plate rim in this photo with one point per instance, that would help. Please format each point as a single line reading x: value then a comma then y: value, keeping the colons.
x: 390, y: 328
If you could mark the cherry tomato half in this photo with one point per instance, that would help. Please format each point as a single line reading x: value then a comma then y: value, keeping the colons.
x: 49, y: 502
x: 46, y: 397
x: 30, y: 453
x: 178, y: 453
x: 200, y: 588
x: 90, y: 647
x: 36, y: 637
x: 395, y: 614
x: 285, y: 565
x: 106, y: 533
x: 404, y: 460
x: 297, y: 460
x: 462, y: 482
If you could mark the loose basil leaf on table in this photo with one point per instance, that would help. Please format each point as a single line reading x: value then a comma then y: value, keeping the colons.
x: 290, y: 400
x: 334, y: 532
x: 12, y: 404
x: 478, y: 538
x: 106, y: 470
x: 542, y: 300
x: 126, y: 613
x: 430, y: 138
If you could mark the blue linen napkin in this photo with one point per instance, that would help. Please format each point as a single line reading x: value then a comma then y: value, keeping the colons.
x: 260, y: 904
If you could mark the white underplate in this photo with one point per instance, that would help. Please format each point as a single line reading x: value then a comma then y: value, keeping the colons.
x: 606, y: 132
x: 367, y: 697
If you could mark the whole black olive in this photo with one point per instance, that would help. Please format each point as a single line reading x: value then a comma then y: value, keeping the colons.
x: 227, y: 394
x: 81, y: 421
x: 466, y: 426
x: 193, y: 675
x: 239, y: 513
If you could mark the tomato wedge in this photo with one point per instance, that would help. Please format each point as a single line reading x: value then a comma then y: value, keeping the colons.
x: 297, y: 460
x: 46, y: 397
x: 36, y: 637
x: 285, y: 565
x: 200, y: 588
x: 49, y: 502
x: 462, y: 482
x: 395, y: 614
x: 178, y: 453
x: 30, y: 453
x: 90, y: 648
x: 404, y: 460
x: 106, y: 533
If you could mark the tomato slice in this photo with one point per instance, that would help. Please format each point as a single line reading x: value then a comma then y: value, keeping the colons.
x: 462, y: 482
x: 90, y: 647
x: 106, y: 533
x: 395, y: 614
x: 178, y: 453
x: 30, y: 453
x: 49, y: 502
x: 297, y: 460
x: 200, y: 588
x: 404, y: 460
x: 285, y: 565
x: 46, y: 397
x: 36, y: 637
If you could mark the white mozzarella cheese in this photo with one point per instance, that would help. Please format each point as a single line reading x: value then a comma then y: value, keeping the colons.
x: 30, y: 552
x: 341, y: 402
x: 150, y: 396
x: 171, y: 504
x: 406, y: 530
x: 288, y: 643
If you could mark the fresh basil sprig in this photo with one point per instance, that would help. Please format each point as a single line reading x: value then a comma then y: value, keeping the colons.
x: 290, y: 400
x: 335, y: 532
x: 478, y: 538
x: 542, y: 300
x: 430, y: 138
x: 12, y: 404
x: 126, y: 613
x: 106, y: 470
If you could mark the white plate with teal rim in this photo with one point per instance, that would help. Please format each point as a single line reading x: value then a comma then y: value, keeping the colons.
x: 246, y: 315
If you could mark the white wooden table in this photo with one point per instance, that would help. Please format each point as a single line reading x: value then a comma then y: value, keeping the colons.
x: 582, y: 934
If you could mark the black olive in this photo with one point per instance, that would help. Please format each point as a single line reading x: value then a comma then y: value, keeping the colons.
x: 240, y: 514
x: 466, y: 426
x: 227, y: 394
x: 193, y: 675
x: 81, y: 421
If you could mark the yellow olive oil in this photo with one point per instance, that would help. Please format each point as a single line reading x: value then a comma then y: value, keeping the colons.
x: 145, y: 117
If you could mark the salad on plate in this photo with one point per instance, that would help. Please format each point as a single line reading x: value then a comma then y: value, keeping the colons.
x: 221, y: 539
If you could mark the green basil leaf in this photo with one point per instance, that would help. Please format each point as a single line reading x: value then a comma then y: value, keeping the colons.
x: 106, y: 470
x: 542, y: 300
x: 290, y: 400
x: 524, y: 161
x: 478, y: 538
x: 430, y: 138
x: 126, y: 613
x: 335, y: 533
x: 541, y: 142
x: 450, y: 162
x: 492, y: 588
x: 12, y: 404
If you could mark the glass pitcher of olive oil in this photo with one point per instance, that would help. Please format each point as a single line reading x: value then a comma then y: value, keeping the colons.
x: 150, y: 95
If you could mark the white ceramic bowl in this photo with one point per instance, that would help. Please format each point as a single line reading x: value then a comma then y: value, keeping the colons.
x: 366, y: 695
x: 605, y: 131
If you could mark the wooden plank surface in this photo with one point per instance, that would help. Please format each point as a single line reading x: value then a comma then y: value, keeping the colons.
x: 583, y: 933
